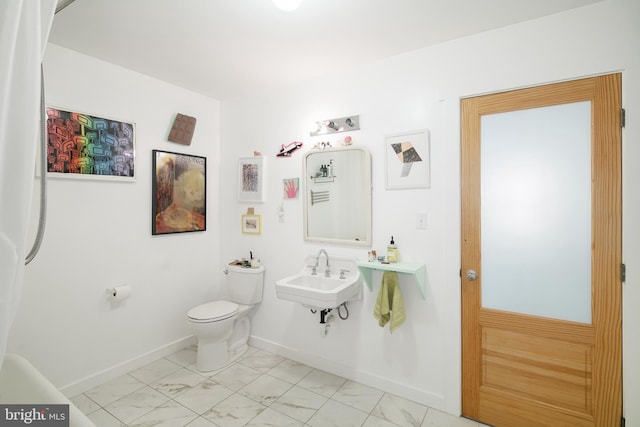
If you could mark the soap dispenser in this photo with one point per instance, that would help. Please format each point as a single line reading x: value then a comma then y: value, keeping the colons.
x: 392, y: 251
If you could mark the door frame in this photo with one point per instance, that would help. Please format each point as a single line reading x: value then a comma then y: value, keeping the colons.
x: 470, y: 200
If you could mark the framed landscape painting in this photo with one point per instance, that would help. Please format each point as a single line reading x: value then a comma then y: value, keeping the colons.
x: 251, y: 224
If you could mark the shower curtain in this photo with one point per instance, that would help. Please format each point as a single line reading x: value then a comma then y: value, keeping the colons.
x: 24, y: 30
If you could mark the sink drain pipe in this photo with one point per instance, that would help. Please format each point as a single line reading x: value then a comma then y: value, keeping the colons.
x: 323, y: 315
x: 326, y: 311
x: 327, y: 318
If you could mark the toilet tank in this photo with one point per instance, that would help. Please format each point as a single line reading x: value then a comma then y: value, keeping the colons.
x: 245, y: 284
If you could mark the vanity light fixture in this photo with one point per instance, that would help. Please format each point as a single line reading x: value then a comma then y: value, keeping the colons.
x: 287, y: 5
x: 343, y: 124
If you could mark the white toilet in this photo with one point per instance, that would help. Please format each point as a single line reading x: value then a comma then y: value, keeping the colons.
x: 223, y: 327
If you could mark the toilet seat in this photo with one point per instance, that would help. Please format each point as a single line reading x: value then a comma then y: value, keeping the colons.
x: 213, y: 312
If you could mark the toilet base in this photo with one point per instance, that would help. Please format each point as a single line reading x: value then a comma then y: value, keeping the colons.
x: 216, y: 356
x: 212, y: 355
x: 238, y: 353
x: 240, y: 335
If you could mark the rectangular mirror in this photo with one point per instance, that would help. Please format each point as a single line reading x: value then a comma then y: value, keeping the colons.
x: 337, y: 196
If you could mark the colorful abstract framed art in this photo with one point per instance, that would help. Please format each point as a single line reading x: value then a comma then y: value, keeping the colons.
x: 179, y: 186
x: 407, y: 160
x: 84, y: 146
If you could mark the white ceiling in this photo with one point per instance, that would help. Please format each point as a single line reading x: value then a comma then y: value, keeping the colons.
x: 224, y: 48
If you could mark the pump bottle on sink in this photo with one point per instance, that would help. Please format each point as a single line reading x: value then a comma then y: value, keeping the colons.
x: 392, y: 251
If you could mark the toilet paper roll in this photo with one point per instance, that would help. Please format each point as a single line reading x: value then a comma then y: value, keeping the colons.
x: 119, y: 293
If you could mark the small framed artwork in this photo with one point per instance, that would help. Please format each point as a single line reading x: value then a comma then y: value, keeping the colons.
x: 251, y: 179
x: 407, y: 160
x: 179, y: 185
x: 251, y: 224
x: 80, y: 145
x: 291, y: 188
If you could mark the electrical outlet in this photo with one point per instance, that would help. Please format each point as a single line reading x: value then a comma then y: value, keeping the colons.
x: 421, y: 221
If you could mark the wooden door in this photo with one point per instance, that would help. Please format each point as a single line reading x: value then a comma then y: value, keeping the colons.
x: 524, y: 369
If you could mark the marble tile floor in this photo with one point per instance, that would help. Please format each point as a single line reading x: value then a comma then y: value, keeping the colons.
x: 258, y: 389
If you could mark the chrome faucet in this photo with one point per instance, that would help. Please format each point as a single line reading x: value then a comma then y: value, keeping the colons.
x: 327, y: 272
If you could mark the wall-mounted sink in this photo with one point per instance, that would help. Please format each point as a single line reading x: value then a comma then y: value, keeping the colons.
x: 319, y: 290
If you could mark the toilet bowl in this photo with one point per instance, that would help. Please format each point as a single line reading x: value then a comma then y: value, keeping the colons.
x: 213, y: 323
x: 223, y: 327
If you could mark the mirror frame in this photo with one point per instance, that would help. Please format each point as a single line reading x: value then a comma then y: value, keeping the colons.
x: 367, y: 198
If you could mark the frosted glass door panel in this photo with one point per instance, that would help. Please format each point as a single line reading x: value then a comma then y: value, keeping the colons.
x: 536, y: 211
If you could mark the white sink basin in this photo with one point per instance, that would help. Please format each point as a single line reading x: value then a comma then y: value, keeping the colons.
x: 321, y: 292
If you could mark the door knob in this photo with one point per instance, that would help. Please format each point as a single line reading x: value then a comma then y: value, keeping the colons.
x: 472, y: 275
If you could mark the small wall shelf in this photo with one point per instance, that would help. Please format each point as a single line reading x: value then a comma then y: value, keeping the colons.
x: 416, y: 269
x: 319, y: 179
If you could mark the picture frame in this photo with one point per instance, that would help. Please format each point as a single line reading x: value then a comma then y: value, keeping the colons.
x: 290, y: 188
x: 251, y: 179
x: 86, y: 146
x: 407, y: 160
x: 251, y: 224
x: 179, y: 193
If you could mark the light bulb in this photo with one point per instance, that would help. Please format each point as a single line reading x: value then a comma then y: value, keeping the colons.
x: 287, y: 5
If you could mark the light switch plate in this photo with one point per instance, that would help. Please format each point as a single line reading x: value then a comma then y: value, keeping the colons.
x: 421, y: 221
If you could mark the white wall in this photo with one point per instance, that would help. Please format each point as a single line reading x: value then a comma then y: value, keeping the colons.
x: 98, y: 235
x: 418, y: 90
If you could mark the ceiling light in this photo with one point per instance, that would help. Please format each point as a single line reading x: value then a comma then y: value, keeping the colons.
x: 287, y: 5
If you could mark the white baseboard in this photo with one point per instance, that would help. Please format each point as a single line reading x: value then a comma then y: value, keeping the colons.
x: 101, y: 377
x: 424, y: 397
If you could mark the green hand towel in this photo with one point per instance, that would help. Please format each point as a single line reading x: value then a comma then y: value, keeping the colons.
x: 389, y: 305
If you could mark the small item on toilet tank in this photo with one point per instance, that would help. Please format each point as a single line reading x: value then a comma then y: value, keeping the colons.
x: 255, y: 263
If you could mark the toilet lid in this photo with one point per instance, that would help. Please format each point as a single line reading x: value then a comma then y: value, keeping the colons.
x: 213, y: 311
